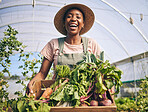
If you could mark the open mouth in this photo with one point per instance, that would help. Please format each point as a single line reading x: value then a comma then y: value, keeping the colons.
x: 73, y: 25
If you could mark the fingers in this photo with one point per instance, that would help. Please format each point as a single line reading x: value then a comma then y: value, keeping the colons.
x: 29, y: 89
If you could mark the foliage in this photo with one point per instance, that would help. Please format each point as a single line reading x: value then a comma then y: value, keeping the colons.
x: 126, y: 104
x: 91, y: 76
x: 25, y: 103
x: 14, y: 77
x: 3, y: 94
x: 28, y: 104
x: 107, y: 75
x: 140, y: 104
x: 62, y: 71
x: 142, y: 98
x: 29, y: 66
x: 8, y: 45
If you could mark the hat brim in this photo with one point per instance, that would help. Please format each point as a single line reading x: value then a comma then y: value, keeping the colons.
x: 89, y: 18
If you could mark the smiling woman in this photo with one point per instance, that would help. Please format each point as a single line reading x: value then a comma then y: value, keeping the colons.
x: 88, y: 16
x: 72, y: 20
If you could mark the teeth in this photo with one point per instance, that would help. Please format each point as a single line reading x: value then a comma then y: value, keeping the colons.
x: 73, y: 25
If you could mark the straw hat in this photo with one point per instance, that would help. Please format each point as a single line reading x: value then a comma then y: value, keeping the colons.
x: 89, y: 18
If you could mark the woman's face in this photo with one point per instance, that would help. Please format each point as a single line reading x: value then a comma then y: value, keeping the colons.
x: 74, y: 21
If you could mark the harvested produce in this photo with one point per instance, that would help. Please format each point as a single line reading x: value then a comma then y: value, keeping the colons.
x: 84, y: 105
x: 105, y: 102
x: 94, y: 103
x: 89, y: 80
x: 47, y: 93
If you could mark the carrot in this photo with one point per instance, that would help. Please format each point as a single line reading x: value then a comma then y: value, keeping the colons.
x: 47, y: 93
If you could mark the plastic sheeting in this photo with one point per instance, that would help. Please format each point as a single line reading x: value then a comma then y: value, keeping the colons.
x: 120, y: 39
x: 115, y: 34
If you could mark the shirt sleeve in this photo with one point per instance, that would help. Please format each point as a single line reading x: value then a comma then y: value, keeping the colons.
x: 47, y: 51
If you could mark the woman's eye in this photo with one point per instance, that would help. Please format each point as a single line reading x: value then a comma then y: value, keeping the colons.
x: 69, y: 16
x: 78, y: 17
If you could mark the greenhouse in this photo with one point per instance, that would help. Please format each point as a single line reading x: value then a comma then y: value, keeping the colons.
x: 120, y: 29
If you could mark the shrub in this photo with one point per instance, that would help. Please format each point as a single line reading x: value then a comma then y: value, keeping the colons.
x: 140, y: 104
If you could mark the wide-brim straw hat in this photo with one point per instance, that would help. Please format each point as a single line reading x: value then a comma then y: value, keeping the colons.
x: 59, y: 18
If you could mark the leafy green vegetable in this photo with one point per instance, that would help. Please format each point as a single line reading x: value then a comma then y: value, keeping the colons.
x: 91, y: 70
x: 28, y: 104
x: 62, y: 71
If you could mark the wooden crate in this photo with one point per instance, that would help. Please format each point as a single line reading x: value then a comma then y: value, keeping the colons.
x: 37, y: 89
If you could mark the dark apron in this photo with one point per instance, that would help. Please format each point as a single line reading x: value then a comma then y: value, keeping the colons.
x: 71, y: 59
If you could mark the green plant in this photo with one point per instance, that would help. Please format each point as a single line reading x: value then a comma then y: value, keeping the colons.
x: 28, y: 104
x: 8, y: 45
x: 140, y: 104
x: 126, y: 104
x: 29, y: 66
x: 88, y: 80
x: 23, y: 102
x: 142, y: 98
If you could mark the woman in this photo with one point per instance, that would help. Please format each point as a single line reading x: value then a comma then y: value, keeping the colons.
x: 72, y: 21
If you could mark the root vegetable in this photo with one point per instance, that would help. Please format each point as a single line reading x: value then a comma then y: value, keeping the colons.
x: 83, y: 98
x: 84, y: 105
x: 47, y: 93
x: 105, y: 102
x: 94, y: 103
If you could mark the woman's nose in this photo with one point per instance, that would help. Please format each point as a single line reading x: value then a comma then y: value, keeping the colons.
x: 73, y: 18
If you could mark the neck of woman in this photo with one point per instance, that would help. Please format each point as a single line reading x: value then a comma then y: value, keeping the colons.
x: 73, y: 39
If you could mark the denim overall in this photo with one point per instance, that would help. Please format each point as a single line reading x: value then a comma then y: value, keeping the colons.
x: 71, y: 59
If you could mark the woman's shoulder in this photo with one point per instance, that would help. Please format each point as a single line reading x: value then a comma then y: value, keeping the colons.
x: 53, y: 42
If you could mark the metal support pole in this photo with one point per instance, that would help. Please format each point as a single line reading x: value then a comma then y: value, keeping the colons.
x: 133, y: 62
x: 33, y: 3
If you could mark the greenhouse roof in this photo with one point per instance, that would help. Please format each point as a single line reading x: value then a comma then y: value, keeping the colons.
x: 120, y: 27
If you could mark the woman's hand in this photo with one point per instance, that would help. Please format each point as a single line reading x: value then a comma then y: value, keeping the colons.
x: 46, y: 64
x: 29, y: 89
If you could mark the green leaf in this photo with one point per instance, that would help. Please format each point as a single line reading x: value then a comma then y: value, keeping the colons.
x: 109, y: 83
x: 43, y: 108
x: 21, y: 106
x: 32, y: 104
x: 99, y: 85
x: 76, y: 95
x: 62, y: 71
x: 59, y: 96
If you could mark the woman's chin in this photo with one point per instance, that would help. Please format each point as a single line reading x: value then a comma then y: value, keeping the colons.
x: 73, y: 33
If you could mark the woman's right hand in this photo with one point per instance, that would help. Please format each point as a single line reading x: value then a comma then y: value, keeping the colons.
x: 29, y: 89
x: 41, y: 75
